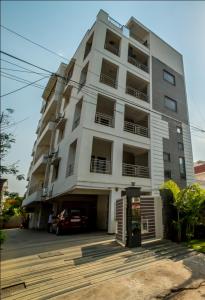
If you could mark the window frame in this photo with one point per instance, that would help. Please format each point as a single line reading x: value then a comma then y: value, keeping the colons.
x: 171, y: 100
x: 168, y: 156
x: 182, y: 146
x: 169, y: 177
x: 180, y: 128
x: 182, y: 175
x: 171, y: 75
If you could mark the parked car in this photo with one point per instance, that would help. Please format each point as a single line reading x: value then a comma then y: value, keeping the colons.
x: 69, y: 220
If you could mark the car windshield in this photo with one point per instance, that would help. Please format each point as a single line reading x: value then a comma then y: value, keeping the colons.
x: 75, y: 212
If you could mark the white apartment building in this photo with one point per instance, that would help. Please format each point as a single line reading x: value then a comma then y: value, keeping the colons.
x: 116, y: 115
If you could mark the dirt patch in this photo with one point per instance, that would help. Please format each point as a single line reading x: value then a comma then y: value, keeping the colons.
x: 156, y: 282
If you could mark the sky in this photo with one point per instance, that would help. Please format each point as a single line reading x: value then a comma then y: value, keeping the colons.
x: 60, y: 26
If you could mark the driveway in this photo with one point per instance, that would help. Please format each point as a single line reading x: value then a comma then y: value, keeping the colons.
x: 38, y: 265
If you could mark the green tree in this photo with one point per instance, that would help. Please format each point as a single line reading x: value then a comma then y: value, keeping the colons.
x: 193, y: 198
x: 177, y: 202
x: 7, y: 140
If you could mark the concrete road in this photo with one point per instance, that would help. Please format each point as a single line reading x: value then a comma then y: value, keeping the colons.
x: 38, y: 265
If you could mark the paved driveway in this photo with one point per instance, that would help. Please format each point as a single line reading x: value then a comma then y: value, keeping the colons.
x: 38, y: 265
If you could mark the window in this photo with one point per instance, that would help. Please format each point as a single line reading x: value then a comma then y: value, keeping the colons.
x: 83, y: 77
x: 167, y: 174
x: 171, y: 104
x: 179, y: 130
x: 182, y: 167
x: 169, y: 77
x: 166, y: 156
x: 180, y: 146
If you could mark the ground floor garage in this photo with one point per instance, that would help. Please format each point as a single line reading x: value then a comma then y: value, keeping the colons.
x: 100, y: 208
x: 94, y: 207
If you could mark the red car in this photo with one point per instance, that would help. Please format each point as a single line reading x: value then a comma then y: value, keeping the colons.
x: 68, y: 221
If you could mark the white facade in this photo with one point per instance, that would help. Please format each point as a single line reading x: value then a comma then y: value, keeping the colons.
x: 107, y: 135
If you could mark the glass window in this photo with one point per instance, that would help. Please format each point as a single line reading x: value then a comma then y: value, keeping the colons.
x: 180, y: 146
x: 169, y: 77
x: 171, y: 104
x: 182, y: 167
x: 179, y: 130
x: 167, y: 174
x: 166, y: 156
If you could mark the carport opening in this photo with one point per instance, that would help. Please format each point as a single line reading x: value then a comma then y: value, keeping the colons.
x: 94, y: 207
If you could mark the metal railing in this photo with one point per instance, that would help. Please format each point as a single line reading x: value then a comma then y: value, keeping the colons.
x: 135, y: 128
x: 70, y: 169
x: 100, y: 166
x: 135, y: 170
x: 114, y: 22
x: 108, y: 80
x: 111, y: 48
x: 136, y: 63
x: 132, y: 91
x: 104, y: 119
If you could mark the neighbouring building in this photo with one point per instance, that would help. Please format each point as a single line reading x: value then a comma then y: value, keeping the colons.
x: 199, y: 171
x: 115, y: 115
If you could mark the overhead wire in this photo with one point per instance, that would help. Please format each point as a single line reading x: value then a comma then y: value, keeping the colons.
x: 23, y: 87
x: 94, y: 88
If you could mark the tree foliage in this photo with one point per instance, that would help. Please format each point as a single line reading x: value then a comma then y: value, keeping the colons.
x: 7, y: 140
x: 190, y: 205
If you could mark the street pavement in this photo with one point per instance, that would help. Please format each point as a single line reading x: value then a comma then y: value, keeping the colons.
x: 39, y: 265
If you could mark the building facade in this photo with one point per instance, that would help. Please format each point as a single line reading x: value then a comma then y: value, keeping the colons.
x: 115, y: 116
x: 199, y: 172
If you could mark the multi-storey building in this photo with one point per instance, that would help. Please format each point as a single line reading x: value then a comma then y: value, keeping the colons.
x: 115, y: 115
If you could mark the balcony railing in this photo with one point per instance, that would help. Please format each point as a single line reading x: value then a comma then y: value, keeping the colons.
x: 104, y: 119
x: 108, y: 80
x: 100, y: 166
x: 135, y: 128
x: 111, y: 48
x: 133, y: 92
x: 136, y: 63
x: 135, y: 170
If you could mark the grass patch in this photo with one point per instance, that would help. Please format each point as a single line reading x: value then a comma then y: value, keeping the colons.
x: 198, y: 245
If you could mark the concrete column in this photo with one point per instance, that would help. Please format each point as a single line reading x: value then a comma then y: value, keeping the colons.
x: 158, y: 217
x: 114, y: 195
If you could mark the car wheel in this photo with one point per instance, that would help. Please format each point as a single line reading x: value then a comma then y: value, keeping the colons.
x: 58, y: 230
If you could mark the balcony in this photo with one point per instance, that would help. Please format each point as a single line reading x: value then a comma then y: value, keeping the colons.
x: 105, y: 111
x: 60, y: 121
x: 137, y: 87
x: 104, y: 119
x: 135, y: 162
x: 45, y: 134
x: 108, y: 74
x: 112, y: 42
x: 101, y: 157
x: 138, y: 58
x: 40, y: 165
x: 136, y: 121
x: 138, y: 33
x: 135, y: 129
x: 100, y: 166
x: 35, y: 196
x: 88, y: 46
x: 135, y: 170
x: 83, y: 77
